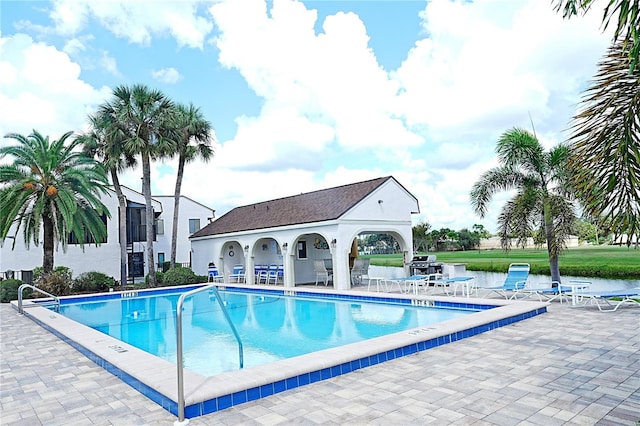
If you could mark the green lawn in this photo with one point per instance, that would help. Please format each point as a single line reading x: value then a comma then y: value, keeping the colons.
x: 603, y: 261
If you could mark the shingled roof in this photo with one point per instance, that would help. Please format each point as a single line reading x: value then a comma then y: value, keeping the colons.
x: 317, y: 206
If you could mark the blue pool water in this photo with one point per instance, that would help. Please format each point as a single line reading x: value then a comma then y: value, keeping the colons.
x: 272, y: 327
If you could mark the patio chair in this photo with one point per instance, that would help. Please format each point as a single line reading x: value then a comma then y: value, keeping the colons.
x: 357, y: 271
x: 515, y: 281
x: 610, y: 299
x: 261, y: 273
x: 408, y: 284
x: 364, y: 274
x: 213, y: 274
x: 238, y: 274
x: 549, y: 291
x: 321, y: 272
x: 281, y: 273
x: 272, y: 274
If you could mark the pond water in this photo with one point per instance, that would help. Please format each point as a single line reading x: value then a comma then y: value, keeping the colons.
x: 496, y: 278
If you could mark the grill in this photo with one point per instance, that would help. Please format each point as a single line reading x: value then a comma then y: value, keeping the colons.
x: 424, y: 265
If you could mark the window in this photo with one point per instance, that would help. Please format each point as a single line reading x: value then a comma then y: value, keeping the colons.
x: 302, y: 249
x: 194, y: 225
x: 162, y: 265
x: 160, y: 226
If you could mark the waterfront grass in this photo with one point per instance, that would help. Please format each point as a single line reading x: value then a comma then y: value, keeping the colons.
x: 598, y: 262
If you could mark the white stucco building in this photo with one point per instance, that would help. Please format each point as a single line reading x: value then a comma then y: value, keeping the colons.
x: 19, y: 260
x: 294, y: 231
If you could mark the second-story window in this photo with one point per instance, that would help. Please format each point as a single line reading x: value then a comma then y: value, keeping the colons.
x: 160, y: 226
x: 194, y: 225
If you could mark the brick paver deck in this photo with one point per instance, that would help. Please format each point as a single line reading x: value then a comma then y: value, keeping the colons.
x: 568, y: 366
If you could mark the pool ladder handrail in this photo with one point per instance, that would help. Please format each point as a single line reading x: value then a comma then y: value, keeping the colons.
x: 181, y: 420
x: 56, y: 300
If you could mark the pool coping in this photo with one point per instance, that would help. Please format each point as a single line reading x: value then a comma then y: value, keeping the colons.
x: 157, y: 378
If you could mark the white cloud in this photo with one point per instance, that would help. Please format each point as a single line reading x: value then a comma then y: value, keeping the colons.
x: 136, y: 21
x: 109, y: 64
x: 40, y: 89
x: 167, y: 75
x: 332, y: 78
x: 490, y: 60
x: 74, y: 46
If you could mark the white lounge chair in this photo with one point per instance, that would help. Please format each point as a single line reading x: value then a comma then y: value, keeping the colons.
x: 610, y: 299
x: 548, y: 291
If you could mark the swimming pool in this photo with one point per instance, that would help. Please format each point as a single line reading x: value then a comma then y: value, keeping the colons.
x: 272, y: 327
x: 156, y: 377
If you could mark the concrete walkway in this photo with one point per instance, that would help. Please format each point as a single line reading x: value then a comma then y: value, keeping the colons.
x: 569, y: 366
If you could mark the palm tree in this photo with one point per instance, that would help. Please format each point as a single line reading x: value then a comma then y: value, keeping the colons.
x: 541, y: 200
x: 141, y: 117
x: 627, y: 29
x: 420, y: 234
x: 191, y: 126
x: 605, y: 143
x: 53, y: 186
x: 100, y: 142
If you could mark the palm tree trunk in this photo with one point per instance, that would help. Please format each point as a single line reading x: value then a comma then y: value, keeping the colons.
x: 552, y: 245
x: 122, y: 220
x: 146, y: 191
x: 176, y: 207
x: 47, y: 244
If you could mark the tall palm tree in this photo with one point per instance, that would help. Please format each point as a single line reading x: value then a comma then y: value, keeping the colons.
x: 107, y: 146
x: 605, y: 143
x: 193, y: 141
x: 541, y: 200
x: 142, y: 117
x: 53, y: 186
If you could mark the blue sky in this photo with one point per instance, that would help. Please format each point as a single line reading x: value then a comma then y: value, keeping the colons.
x: 313, y: 94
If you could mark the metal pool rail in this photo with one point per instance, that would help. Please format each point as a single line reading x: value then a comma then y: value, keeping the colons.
x: 56, y: 300
x: 181, y: 420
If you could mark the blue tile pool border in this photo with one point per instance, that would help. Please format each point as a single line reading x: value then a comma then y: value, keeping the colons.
x: 229, y: 400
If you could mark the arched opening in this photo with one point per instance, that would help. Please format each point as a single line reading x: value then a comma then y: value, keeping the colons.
x: 232, y: 259
x: 267, y: 255
x: 368, y: 244
x: 306, y: 250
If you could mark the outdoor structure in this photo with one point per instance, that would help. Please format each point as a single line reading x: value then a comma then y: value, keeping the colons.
x: 293, y: 232
x: 20, y: 261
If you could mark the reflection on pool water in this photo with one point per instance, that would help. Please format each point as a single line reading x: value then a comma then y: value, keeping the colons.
x: 272, y: 327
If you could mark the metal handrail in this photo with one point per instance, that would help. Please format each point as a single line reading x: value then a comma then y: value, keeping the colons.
x: 23, y: 286
x: 181, y: 420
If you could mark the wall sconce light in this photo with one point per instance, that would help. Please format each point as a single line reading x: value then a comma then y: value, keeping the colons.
x: 380, y: 201
x: 246, y: 248
x: 333, y: 242
x: 285, y: 246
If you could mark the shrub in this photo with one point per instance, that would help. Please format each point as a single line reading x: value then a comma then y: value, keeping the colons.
x: 57, y: 283
x: 9, y: 290
x: 159, y: 278
x: 179, y: 276
x: 93, y: 282
x: 37, y: 272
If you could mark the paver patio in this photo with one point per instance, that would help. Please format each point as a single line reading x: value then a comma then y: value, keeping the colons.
x: 568, y: 366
